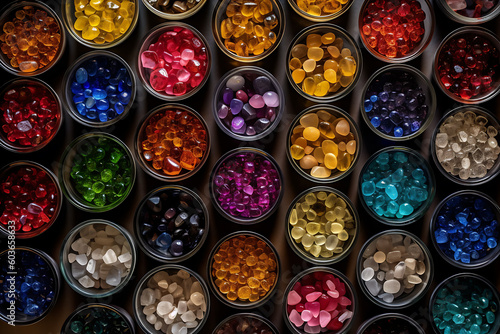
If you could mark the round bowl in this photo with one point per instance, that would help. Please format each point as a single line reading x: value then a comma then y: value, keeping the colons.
x: 452, y: 205
x: 312, y: 14
x: 246, y: 241
x: 69, y: 171
x: 390, y: 321
x: 18, y: 313
x: 268, y: 113
x: 219, y: 16
x: 295, y: 137
x: 151, y: 65
x: 365, y: 25
x: 90, y: 314
x: 411, y: 213
x: 415, y: 121
x: 341, y: 325
x: 169, y: 13
x: 44, y: 202
x: 237, y: 322
x: 396, y: 241
x: 338, y: 89
x: 77, y: 242
x: 50, y: 58
x: 38, y: 134
x: 107, y: 36
x: 167, y: 274
x: 460, y: 16
x: 220, y: 189
x: 463, y: 287
x: 453, y: 89
x: 447, y: 170
x: 151, y: 221
x: 74, y: 91
x: 348, y: 225
x: 180, y: 167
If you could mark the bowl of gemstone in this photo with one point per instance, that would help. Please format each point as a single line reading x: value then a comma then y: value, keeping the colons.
x: 470, y: 13
x: 241, y: 322
x: 98, y: 316
x: 399, y: 102
x: 388, y: 323
x: 394, y: 269
x: 320, y: 11
x: 174, y: 10
x: 464, y: 146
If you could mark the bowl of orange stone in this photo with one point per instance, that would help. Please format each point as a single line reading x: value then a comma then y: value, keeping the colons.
x: 324, y: 63
x: 100, y: 24
x: 172, y: 143
x: 32, y: 38
x: 324, y: 143
x: 320, y: 10
x: 244, y: 268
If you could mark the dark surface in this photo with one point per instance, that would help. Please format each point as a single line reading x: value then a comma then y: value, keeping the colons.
x: 274, y: 227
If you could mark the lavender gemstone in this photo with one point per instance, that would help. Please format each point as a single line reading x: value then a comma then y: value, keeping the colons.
x: 227, y: 95
x: 236, y: 106
x: 250, y: 131
x: 237, y: 123
x: 257, y: 101
x: 271, y: 99
x: 223, y: 111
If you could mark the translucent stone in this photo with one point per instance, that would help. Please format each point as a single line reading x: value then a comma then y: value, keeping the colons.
x: 441, y: 140
x: 478, y: 156
x: 465, y: 163
x: 462, y: 136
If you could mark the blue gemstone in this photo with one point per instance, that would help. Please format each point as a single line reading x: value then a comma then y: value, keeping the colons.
x: 91, y: 67
x: 92, y: 114
x: 76, y: 88
x: 81, y: 75
x: 113, y: 98
x: 90, y: 102
x: 368, y: 105
x: 375, y: 122
x: 441, y: 236
x: 102, y: 104
x: 103, y: 116
x: 398, y: 131
x: 491, y: 242
x: 124, y: 97
x: 110, y: 89
x: 80, y: 107
x: 99, y: 94
x: 374, y: 98
x: 78, y: 98
x: 164, y: 241
x: 119, y: 108
x: 111, y: 114
x: 87, y: 93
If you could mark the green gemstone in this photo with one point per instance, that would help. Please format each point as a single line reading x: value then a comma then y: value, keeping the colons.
x: 91, y: 166
x: 89, y: 195
x: 116, y: 155
x: 99, y: 154
x: 100, y: 199
x: 106, y: 175
x: 98, y: 187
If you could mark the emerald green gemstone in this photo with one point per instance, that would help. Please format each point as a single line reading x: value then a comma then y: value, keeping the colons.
x: 98, y: 187
x: 106, y: 175
x: 100, y: 200
x: 99, y: 154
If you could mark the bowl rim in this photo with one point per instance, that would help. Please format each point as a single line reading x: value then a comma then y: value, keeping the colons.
x: 241, y: 70
x: 451, y: 14
x: 245, y: 315
x: 367, y: 323
x: 178, y: 16
x: 306, y: 255
x: 417, y: 75
x: 320, y: 18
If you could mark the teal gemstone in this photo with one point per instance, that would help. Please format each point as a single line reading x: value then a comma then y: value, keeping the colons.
x: 368, y: 188
x: 391, y: 191
x: 458, y: 318
x: 490, y: 317
x: 483, y: 302
x: 397, y: 176
x: 401, y: 157
x: 405, y: 209
x: 418, y: 174
x: 475, y: 329
x: 453, y: 308
x: 76, y: 327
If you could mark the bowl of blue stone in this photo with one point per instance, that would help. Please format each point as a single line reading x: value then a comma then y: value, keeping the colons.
x: 30, y: 282
x: 396, y: 186
x: 399, y: 102
x: 464, y: 229
x: 248, y: 103
x: 171, y: 224
x: 99, y: 89
x: 99, y: 318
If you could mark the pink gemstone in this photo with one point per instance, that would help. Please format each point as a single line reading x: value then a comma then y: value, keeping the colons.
x: 314, y: 307
x: 183, y: 75
x: 312, y: 329
x: 334, y: 313
x: 313, y: 296
x: 179, y: 88
x: 159, y: 79
x: 193, y: 66
x: 344, y: 301
x: 314, y: 321
x: 332, y: 305
x: 187, y: 54
x: 306, y: 315
x: 257, y: 101
x: 324, y: 318
x: 271, y: 99
x: 196, y: 80
x: 295, y: 318
x: 333, y: 294
x: 249, y: 190
x: 330, y: 285
x: 149, y: 59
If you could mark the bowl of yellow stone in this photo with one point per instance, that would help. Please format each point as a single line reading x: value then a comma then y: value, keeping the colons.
x: 323, y: 143
x: 323, y: 63
x: 100, y: 24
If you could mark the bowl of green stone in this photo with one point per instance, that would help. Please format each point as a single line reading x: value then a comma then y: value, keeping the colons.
x: 465, y: 301
x: 97, y: 172
x: 97, y: 317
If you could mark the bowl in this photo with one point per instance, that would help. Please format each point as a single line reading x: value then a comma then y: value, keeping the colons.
x: 339, y: 83
x: 480, y: 226
x: 101, y: 34
x: 99, y: 89
x: 32, y: 132
x: 462, y: 15
x: 237, y: 322
x: 343, y: 215
x: 417, y: 109
x: 292, y: 304
x: 399, y: 51
x: 318, y: 14
x: 156, y: 65
x: 44, y: 205
x: 160, y: 278
x: 391, y: 321
x: 97, y: 314
x: 93, y: 248
x: 89, y: 194
x: 422, y: 186
x: 166, y: 161
x: 224, y: 284
x: 222, y: 26
x: 261, y: 121
x: 482, y: 86
x: 258, y: 199
x: 50, y: 56
x: 462, y: 176
x: 307, y: 164
x: 28, y: 262
x: 376, y: 253
x: 465, y: 288
x: 151, y: 222
x: 171, y: 13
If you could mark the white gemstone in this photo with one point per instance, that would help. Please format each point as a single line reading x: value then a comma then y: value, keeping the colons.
x: 86, y: 282
x: 164, y: 308
x: 109, y: 257
x: 114, y: 277
x: 367, y: 274
x: 147, y: 297
x: 91, y: 266
x: 392, y: 286
x: 71, y: 257
x: 125, y: 257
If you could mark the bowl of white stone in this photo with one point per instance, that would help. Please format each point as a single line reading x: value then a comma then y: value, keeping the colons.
x: 464, y: 146
x: 394, y: 269
x: 171, y: 299
x: 97, y: 258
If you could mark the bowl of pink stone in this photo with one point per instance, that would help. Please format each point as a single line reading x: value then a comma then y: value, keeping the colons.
x: 97, y: 258
x: 319, y: 299
x: 470, y: 12
x: 174, y: 61
x: 246, y: 185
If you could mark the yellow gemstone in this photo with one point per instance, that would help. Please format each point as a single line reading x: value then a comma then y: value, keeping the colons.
x: 297, y: 152
x: 322, y: 88
x: 328, y: 38
x: 311, y: 133
x: 330, y: 161
x: 81, y: 22
x: 90, y: 32
x: 320, y: 172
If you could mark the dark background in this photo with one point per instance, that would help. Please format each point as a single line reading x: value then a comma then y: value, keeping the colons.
x: 274, y: 227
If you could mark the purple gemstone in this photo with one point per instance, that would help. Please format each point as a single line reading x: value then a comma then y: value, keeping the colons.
x: 236, y: 106
x: 261, y: 124
x: 257, y: 101
x: 227, y: 96
x: 248, y: 113
x: 250, y: 131
x: 223, y: 111
x: 271, y: 99
x: 241, y: 130
x: 262, y: 84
